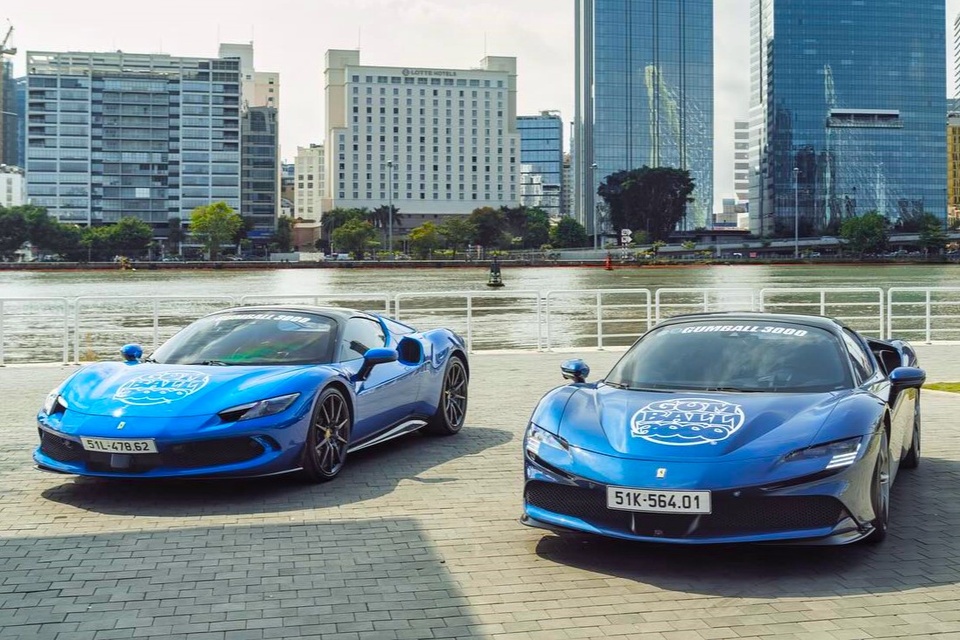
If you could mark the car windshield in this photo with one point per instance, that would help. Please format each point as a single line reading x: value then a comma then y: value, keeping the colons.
x: 745, y: 356
x: 252, y: 338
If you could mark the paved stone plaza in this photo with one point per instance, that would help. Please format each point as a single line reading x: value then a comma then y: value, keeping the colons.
x: 420, y: 539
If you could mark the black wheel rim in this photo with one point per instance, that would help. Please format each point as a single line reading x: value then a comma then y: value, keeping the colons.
x: 332, y: 428
x: 455, y: 394
x: 883, y: 486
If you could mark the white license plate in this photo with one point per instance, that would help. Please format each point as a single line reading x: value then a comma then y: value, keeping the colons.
x: 109, y: 445
x: 654, y: 501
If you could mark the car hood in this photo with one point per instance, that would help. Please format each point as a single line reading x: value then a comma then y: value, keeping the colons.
x: 159, y: 390
x: 693, y: 425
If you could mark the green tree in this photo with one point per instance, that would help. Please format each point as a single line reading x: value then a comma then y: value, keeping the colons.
x: 65, y: 240
x: 653, y: 200
x: 656, y: 246
x: 932, y: 238
x: 283, y: 236
x: 130, y: 236
x: 568, y: 234
x: 490, y: 226
x: 536, y: 229
x: 354, y: 236
x: 425, y: 239
x: 97, y: 243
x: 331, y: 220
x: 868, y: 233
x: 380, y: 218
x: 14, y: 231
x: 174, y: 234
x: 215, y: 224
x: 458, y: 232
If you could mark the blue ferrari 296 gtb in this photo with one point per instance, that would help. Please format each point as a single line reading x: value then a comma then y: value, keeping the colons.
x: 256, y: 391
x: 737, y: 427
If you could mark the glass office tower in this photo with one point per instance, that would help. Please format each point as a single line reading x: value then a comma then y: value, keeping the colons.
x: 848, y: 111
x: 541, y: 161
x: 111, y: 135
x: 260, y: 189
x: 644, y: 95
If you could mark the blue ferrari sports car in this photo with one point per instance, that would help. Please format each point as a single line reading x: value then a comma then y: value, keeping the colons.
x: 256, y: 391
x: 727, y: 428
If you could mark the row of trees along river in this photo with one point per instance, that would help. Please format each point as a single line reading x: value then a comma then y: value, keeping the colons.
x: 650, y: 201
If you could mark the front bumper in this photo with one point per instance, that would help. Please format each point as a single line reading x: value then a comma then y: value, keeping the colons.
x: 240, y: 454
x: 825, y: 510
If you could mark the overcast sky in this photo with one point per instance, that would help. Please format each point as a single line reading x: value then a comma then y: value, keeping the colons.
x: 291, y: 37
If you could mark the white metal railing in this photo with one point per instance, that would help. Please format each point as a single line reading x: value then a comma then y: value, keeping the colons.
x: 23, y: 339
x: 492, y: 319
x: 597, y: 308
x: 843, y: 303
x: 47, y: 329
x: 928, y: 313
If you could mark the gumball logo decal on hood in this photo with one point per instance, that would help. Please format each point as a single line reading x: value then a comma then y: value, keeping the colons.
x: 687, y: 421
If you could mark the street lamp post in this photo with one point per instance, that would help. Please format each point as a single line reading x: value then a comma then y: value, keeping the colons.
x: 796, y: 212
x: 390, y: 208
x: 596, y: 234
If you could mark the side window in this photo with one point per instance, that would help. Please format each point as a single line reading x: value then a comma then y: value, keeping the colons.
x: 862, y: 363
x: 360, y: 335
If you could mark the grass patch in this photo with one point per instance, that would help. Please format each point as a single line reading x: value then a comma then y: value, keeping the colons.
x: 953, y: 387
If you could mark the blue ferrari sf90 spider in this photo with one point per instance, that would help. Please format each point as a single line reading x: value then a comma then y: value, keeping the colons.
x: 256, y: 391
x: 719, y: 428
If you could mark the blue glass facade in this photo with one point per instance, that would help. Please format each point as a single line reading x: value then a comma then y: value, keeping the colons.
x: 645, y: 92
x: 113, y: 135
x: 541, y: 154
x: 849, y: 101
x: 260, y: 170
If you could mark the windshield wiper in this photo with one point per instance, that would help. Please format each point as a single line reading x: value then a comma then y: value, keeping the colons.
x: 214, y: 363
x: 150, y: 360
x: 734, y: 390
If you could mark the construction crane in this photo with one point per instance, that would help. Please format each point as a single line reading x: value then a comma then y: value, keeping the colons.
x: 4, y: 51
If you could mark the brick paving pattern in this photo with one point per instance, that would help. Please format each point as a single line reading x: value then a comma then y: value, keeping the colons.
x: 420, y: 539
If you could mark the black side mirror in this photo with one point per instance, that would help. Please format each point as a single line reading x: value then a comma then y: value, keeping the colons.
x: 908, y: 377
x: 372, y: 358
x: 131, y: 352
x: 576, y: 370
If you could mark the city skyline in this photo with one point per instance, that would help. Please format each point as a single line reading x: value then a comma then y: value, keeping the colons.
x: 293, y: 37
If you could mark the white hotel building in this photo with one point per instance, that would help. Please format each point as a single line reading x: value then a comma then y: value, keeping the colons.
x: 445, y: 139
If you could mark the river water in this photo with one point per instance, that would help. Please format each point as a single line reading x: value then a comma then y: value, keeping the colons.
x: 500, y: 319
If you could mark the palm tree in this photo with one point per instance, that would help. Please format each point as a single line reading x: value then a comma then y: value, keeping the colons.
x: 380, y: 218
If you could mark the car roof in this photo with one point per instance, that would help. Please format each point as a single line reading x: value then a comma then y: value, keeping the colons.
x: 339, y: 314
x: 822, y: 322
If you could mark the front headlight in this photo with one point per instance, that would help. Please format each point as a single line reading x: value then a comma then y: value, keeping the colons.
x: 537, y: 437
x: 258, y: 409
x: 840, y: 453
x: 54, y: 403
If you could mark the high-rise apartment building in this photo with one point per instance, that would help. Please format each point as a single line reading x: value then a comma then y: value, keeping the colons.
x: 953, y: 166
x: 741, y: 159
x: 433, y: 141
x: 541, y: 161
x: 13, y: 186
x: 847, y: 109
x: 568, y: 191
x: 310, y: 182
x: 118, y: 134
x: 11, y: 117
x: 260, y: 141
x: 644, y: 95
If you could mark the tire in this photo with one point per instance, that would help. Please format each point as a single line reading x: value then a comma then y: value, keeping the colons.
x: 880, y: 493
x: 328, y: 438
x: 452, y: 408
x: 912, y: 459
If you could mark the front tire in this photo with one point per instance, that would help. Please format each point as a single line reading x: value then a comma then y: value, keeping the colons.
x: 912, y: 459
x: 328, y: 438
x: 880, y: 493
x: 452, y: 408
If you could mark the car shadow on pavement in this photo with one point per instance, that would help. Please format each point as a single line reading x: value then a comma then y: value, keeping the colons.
x: 368, y: 474
x: 919, y: 552
x: 361, y: 578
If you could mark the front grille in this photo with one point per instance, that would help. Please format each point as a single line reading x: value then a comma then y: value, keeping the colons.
x: 749, y: 513
x: 212, y: 452
x: 190, y: 455
x: 60, y: 449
